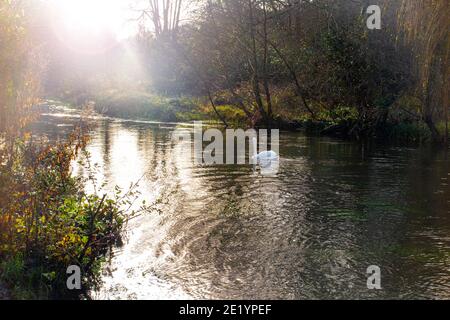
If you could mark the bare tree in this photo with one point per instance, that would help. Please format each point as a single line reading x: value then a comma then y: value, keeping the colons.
x: 426, y: 25
x: 164, y: 16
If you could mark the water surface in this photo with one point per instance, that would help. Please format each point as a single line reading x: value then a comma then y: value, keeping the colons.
x: 310, y: 232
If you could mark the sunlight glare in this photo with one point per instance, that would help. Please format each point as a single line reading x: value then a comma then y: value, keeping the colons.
x: 95, y: 16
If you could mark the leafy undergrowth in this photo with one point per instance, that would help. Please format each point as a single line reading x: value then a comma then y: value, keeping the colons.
x: 48, y: 222
x: 401, y: 123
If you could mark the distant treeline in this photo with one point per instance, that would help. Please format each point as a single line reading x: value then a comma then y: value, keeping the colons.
x: 283, y: 62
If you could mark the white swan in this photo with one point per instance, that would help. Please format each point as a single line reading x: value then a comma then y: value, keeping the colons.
x: 265, y: 159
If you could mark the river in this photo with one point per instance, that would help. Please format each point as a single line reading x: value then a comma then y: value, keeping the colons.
x: 310, y: 232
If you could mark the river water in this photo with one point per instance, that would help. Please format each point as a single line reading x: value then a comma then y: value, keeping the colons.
x: 310, y: 232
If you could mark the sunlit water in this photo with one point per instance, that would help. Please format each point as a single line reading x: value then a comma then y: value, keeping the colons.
x: 310, y: 232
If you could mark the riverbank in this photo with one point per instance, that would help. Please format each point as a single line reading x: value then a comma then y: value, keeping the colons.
x: 396, y: 125
x: 48, y: 222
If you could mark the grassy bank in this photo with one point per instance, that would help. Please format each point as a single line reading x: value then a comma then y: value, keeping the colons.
x: 398, y: 126
x: 134, y: 104
x: 138, y: 104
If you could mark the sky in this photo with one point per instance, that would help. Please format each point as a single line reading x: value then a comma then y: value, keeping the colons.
x: 97, y: 16
x: 96, y: 26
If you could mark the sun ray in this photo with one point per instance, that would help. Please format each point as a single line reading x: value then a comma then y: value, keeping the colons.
x: 94, y: 16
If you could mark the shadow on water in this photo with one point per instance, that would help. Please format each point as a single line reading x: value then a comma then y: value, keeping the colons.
x: 310, y: 232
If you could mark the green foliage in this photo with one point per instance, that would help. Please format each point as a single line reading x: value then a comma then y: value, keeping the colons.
x: 339, y: 115
x: 134, y: 105
x: 48, y: 222
x: 233, y: 115
x: 137, y: 104
x: 408, y: 132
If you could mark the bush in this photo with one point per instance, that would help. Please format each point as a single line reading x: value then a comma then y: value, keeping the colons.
x: 48, y: 222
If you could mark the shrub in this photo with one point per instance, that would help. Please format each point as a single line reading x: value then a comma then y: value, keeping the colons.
x: 48, y: 222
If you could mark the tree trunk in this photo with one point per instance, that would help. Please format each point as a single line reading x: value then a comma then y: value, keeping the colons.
x: 254, y: 64
x: 265, y: 75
